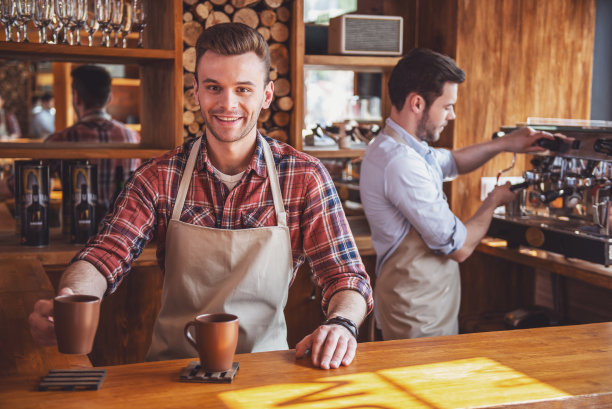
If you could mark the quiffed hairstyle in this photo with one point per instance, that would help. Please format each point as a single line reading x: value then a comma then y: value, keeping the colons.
x: 92, y: 83
x: 422, y: 71
x: 233, y: 39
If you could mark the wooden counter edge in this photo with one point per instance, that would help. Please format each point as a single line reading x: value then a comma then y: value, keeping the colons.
x: 585, y: 271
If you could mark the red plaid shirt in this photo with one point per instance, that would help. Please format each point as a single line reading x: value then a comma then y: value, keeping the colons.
x: 101, y: 128
x: 317, y: 224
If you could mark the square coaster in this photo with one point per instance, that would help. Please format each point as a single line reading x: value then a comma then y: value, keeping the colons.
x: 194, y: 373
x: 72, y: 380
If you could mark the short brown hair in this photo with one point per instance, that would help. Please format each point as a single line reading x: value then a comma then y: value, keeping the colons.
x: 422, y: 71
x: 233, y: 39
x: 92, y: 84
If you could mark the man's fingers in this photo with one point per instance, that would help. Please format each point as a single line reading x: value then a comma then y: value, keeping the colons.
x: 339, y: 353
x: 303, y: 347
x: 318, y: 342
x: 328, y: 350
x: 350, y: 352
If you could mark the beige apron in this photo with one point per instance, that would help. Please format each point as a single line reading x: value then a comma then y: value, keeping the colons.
x: 417, y: 291
x: 243, y: 272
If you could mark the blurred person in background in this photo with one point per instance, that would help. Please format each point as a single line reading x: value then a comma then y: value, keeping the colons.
x: 91, y: 93
x: 9, y: 127
x: 42, y: 121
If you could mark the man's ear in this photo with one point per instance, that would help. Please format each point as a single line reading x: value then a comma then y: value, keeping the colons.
x: 268, y: 95
x: 415, y: 102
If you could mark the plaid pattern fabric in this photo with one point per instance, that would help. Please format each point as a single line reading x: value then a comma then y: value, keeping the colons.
x: 98, y: 129
x: 318, y: 227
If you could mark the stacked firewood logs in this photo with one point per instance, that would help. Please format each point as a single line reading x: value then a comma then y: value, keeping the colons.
x: 272, y: 19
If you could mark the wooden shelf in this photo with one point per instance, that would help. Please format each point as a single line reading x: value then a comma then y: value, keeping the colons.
x: 77, y: 150
x: 75, y: 53
x: 350, y: 62
x: 331, y: 153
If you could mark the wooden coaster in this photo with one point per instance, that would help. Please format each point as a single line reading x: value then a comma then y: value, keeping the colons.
x: 72, y: 380
x: 194, y: 373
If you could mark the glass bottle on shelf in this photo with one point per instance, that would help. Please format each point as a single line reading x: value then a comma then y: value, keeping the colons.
x: 36, y: 224
x: 84, y: 220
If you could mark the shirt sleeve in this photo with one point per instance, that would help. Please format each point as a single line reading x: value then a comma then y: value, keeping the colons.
x: 412, y: 190
x: 328, y: 242
x: 447, y: 162
x: 127, y: 229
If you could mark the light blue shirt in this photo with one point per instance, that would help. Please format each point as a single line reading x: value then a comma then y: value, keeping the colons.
x: 401, y: 188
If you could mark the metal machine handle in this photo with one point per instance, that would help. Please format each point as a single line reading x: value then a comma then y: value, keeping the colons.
x: 519, y: 186
x: 603, y: 146
x: 548, y: 197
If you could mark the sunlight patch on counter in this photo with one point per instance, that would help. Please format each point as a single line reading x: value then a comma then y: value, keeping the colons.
x: 456, y: 384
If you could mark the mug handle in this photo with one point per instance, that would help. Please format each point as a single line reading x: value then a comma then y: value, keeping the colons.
x: 189, y: 336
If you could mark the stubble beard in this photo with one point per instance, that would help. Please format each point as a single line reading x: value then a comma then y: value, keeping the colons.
x: 425, y: 131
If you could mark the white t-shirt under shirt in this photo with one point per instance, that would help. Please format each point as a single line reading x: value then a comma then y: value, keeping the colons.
x: 229, y: 180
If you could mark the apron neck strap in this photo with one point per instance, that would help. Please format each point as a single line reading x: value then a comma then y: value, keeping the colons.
x: 185, y: 179
x: 281, y: 215
x: 392, y: 133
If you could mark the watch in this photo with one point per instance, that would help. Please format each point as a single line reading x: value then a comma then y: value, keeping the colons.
x: 345, y: 322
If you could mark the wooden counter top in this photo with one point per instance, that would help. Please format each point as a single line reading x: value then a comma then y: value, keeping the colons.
x: 545, y: 367
x: 592, y: 273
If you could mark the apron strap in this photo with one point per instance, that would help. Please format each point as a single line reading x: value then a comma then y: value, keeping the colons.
x: 185, y: 179
x: 279, y: 207
x: 392, y: 133
x: 281, y: 215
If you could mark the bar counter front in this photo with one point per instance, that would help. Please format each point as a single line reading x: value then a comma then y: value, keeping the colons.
x: 567, y: 367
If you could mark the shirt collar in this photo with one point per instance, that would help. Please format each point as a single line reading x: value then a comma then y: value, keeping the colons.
x: 257, y: 163
x: 421, y: 147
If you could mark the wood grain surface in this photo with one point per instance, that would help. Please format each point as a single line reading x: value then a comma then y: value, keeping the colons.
x: 22, y: 283
x: 548, y: 367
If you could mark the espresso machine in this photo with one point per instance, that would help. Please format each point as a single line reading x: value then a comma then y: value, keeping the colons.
x: 565, y: 204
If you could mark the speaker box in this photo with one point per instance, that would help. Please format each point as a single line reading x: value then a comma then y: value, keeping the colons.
x: 360, y: 34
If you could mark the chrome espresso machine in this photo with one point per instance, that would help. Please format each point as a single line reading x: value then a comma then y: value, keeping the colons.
x: 565, y: 202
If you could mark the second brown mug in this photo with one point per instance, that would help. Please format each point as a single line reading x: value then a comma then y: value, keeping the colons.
x: 216, y: 337
x: 76, y: 322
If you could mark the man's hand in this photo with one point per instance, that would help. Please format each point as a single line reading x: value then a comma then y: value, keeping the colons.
x: 523, y: 140
x: 500, y: 195
x: 41, y: 321
x: 329, y: 345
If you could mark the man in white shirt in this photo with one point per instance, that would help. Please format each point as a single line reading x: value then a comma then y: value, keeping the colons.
x: 418, y: 240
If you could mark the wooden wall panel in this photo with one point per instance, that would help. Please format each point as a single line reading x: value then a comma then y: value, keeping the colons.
x: 522, y: 58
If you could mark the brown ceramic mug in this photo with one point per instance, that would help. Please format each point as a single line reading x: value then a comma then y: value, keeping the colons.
x: 216, y: 337
x: 76, y: 322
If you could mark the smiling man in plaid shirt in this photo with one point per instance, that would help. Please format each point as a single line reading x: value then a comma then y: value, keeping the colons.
x: 236, y: 213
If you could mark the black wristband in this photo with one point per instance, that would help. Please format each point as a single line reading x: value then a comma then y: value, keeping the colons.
x: 346, y: 323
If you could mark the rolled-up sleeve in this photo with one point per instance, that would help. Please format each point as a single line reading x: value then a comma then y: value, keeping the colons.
x: 328, y: 242
x: 126, y: 230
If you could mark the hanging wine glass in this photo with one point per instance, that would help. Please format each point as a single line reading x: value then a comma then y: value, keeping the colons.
x: 91, y: 24
x: 43, y: 13
x: 126, y: 22
x: 79, y: 19
x: 116, y: 18
x: 12, y: 15
x: 56, y: 28
x: 64, y: 10
x: 103, y: 16
x: 5, y: 6
x: 25, y: 8
x: 140, y: 19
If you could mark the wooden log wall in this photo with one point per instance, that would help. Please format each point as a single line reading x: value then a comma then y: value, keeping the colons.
x: 272, y: 19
